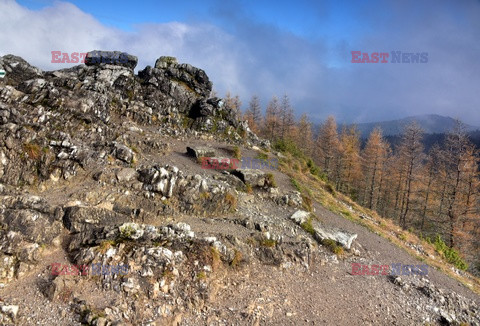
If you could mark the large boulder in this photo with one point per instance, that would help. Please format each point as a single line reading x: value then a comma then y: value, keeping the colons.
x: 117, y: 58
x: 124, y: 153
x: 253, y: 177
x: 322, y: 232
x: 200, y: 151
x: 79, y: 218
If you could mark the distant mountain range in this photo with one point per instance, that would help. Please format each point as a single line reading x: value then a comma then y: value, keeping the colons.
x: 430, y: 123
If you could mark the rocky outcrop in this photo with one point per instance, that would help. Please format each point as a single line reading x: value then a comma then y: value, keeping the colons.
x: 196, y: 79
x: 18, y: 70
x: 160, y: 267
x: 27, y: 223
x: 55, y: 123
x: 193, y: 192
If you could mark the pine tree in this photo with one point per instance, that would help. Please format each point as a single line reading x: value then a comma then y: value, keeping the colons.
x: 431, y: 172
x: 327, y: 145
x: 410, y: 154
x: 237, y: 104
x: 458, y: 153
x: 271, y: 122
x: 304, y: 135
x: 374, y: 157
x: 254, y: 114
x: 228, y: 100
x: 286, y: 118
x: 350, y: 169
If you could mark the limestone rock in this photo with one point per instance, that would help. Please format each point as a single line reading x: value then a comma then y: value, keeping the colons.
x: 78, y: 218
x: 254, y: 177
x: 200, y: 151
x: 323, y: 232
x: 117, y: 58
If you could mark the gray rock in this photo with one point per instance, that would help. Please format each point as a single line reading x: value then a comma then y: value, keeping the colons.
x: 116, y: 58
x: 32, y: 218
x: 18, y: 70
x: 126, y: 175
x: 124, y: 153
x: 61, y: 286
x: 200, y: 151
x: 253, y: 177
x: 202, y: 109
x: 323, y: 232
x: 165, y: 61
x: 270, y: 256
x: 79, y: 219
x: 300, y: 217
x: 342, y: 237
x: 8, y: 314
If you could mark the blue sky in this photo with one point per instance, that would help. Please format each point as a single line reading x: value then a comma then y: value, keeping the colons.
x: 271, y: 48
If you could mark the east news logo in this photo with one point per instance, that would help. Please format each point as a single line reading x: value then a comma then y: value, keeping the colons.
x: 396, y: 57
x: 395, y: 269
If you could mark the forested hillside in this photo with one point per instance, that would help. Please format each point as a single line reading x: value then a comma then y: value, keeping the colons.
x: 428, y: 184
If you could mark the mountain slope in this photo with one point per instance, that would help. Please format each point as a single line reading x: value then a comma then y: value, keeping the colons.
x: 107, y: 219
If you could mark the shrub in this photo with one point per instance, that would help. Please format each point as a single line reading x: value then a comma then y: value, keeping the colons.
x: 271, y: 180
x: 202, y: 275
x: 295, y: 184
x: 237, y: 259
x: 450, y: 254
x: 307, y: 203
x: 167, y: 273
x: 307, y: 226
x: 262, y: 156
x: 105, y: 245
x: 268, y: 243
x: 242, y: 133
x: 205, y: 195
x: 130, y: 94
x: 126, y: 232
x: 330, y: 188
x: 33, y: 151
x: 134, y: 149
x: 314, y: 169
x: 237, y: 153
x: 187, y: 122
x: 231, y: 200
x: 323, y: 176
x: 215, y: 257
x: 169, y: 60
x: 333, y: 246
x: 287, y: 146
